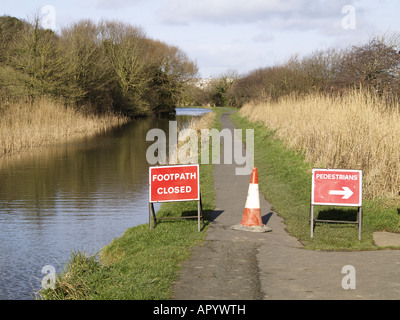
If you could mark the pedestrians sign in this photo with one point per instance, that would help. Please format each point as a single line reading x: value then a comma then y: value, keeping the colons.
x: 336, y: 188
x: 174, y: 183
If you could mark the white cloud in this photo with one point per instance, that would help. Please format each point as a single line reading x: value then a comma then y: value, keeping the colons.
x: 222, y: 57
x: 264, y: 37
x: 110, y: 4
x: 283, y: 13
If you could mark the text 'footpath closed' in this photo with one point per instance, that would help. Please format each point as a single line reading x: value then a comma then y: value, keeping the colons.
x: 174, y: 183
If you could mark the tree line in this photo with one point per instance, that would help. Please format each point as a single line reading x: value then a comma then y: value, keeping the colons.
x: 105, y: 66
x: 114, y: 66
x: 374, y: 66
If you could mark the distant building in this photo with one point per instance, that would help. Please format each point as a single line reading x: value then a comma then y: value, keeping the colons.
x: 202, y: 83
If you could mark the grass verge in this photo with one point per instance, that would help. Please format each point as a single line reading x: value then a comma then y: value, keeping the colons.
x: 285, y: 180
x: 142, y: 264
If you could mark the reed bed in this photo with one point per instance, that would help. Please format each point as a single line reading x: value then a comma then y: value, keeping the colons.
x: 204, y: 122
x: 357, y: 130
x: 26, y: 126
x: 187, y: 143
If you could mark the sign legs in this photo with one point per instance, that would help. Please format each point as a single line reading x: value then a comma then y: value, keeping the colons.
x: 358, y: 221
x: 200, y: 216
x: 200, y: 213
x: 312, y: 221
x: 152, y: 215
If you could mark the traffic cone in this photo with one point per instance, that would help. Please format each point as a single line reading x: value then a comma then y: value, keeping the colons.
x: 251, y: 220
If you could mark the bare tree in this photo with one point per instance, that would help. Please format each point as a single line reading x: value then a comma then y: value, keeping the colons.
x: 374, y: 65
x: 35, y: 54
x: 86, y: 69
x: 124, y: 48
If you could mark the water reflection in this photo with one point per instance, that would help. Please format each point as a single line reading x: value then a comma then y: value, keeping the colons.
x: 78, y: 195
x: 191, y: 111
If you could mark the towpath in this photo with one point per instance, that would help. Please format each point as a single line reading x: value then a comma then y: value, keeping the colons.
x: 241, y: 265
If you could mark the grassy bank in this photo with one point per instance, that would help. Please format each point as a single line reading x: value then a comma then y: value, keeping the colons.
x: 142, y: 264
x: 25, y: 126
x: 285, y: 180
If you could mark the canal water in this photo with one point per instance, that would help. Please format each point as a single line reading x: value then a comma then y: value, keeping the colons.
x: 74, y: 196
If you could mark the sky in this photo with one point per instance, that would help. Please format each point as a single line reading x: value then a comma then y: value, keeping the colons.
x: 230, y: 35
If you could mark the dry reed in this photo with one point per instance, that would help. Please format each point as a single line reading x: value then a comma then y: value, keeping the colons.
x: 354, y: 131
x: 186, y: 144
x: 204, y: 122
x: 25, y: 126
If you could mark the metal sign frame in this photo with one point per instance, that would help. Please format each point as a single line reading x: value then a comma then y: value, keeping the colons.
x: 358, y: 221
x: 152, y: 213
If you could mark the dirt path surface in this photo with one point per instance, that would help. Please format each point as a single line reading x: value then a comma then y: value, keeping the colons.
x: 241, y: 265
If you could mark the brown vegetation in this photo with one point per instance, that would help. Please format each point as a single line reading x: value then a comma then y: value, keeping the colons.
x: 110, y: 65
x: 95, y: 72
x: 352, y: 131
x: 374, y: 66
x: 25, y: 126
x: 341, y: 108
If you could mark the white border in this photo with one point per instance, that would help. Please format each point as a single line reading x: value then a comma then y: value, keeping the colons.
x: 338, y: 204
x: 162, y: 167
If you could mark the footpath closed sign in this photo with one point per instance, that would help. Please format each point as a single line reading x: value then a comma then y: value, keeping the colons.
x: 337, y: 187
x: 174, y: 183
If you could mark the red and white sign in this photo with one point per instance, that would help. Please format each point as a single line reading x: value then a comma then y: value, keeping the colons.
x: 174, y: 183
x: 337, y: 187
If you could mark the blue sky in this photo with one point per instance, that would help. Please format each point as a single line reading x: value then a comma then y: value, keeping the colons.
x: 234, y: 35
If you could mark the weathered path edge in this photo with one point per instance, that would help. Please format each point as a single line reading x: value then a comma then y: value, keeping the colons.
x: 240, y: 265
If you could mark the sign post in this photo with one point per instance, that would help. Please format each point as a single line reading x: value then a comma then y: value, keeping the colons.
x: 172, y: 184
x: 331, y: 187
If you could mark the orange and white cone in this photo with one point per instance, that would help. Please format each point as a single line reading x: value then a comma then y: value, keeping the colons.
x: 251, y: 220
